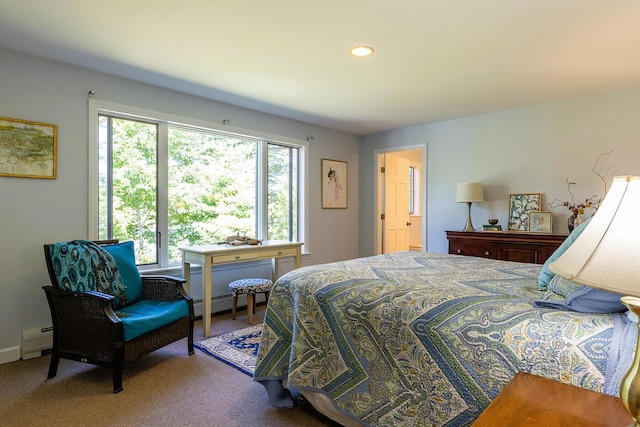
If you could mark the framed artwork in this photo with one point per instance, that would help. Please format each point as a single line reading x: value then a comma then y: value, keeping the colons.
x: 540, y: 222
x: 27, y: 149
x: 519, y: 207
x: 334, y: 184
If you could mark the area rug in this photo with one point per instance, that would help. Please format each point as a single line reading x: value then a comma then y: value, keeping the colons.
x: 237, y: 348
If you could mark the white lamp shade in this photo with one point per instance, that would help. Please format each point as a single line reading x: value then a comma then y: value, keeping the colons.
x: 607, y: 253
x: 469, y: 192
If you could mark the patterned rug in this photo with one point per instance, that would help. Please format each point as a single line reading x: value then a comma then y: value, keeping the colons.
x: 237, y: 348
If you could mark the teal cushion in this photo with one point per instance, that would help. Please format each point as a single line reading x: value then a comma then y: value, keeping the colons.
x: 148, y: 315
x: 125, y: 258
x: 546, y: 275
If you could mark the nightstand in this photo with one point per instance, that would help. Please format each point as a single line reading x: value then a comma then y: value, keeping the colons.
x: 530, y: 400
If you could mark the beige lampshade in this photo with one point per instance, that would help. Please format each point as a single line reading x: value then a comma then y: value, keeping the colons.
x: 607, y: 253
x: 469, y: 192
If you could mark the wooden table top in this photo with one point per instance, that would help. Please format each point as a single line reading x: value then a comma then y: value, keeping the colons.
x: 530, y: 400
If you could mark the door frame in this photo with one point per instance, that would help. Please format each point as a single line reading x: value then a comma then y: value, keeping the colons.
x: 378, y: 196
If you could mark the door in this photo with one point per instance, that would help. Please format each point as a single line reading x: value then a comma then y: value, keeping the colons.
x: 396, y: 204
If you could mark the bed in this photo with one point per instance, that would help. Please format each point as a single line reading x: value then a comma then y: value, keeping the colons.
x: 415, y: 338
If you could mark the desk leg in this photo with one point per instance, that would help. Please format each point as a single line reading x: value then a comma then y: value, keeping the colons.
x: 275, y: 269
x: 275, y: 266
x: 298, y: 260
x: 206, y: 292
x: 186, y: 275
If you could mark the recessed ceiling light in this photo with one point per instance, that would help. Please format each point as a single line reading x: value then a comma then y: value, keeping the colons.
x: 361, y: 51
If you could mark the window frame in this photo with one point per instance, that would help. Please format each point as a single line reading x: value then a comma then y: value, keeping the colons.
x: 97, y: 107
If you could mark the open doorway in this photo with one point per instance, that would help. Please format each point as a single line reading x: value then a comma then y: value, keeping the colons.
x: 401, y: 199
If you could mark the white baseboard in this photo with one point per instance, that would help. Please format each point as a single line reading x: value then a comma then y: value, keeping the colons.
x: 10, y: 354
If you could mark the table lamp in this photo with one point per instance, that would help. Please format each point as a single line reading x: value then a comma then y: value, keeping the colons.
x: 607, y: 256
x: 469, y: 192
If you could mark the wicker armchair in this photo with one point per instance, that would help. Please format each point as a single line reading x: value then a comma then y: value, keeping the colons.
x: 87, y: 328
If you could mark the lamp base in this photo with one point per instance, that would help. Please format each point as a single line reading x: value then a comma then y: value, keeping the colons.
x: 469, y: 226
x: 630, y: 387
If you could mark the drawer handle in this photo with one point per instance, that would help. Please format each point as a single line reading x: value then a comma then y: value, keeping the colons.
x: 237, y: 256
x: 487, y: 253
x: 459, y: 251
x: 279, y: 252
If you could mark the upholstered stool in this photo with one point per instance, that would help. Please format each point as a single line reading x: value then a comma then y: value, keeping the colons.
x: 249, y: 287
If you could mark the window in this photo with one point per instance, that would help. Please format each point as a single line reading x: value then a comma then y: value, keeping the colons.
x: 127, y: 172
x: 167, y: 184
x: 283, y: 187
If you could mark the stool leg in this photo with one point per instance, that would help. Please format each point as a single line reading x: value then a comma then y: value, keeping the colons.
x: 266, y: 297
x: 234, y: 307
x: 250, y: 304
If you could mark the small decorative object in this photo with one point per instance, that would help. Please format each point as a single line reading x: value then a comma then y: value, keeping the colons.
x: 576, y: 218
x: 578, y: 209
x: 334, y: 184
x: 491, y: 227
x: 237, y: 240
x: 28, y: 149
x: 519, y: 207
x: 469, y: 192
x: 540, y: 222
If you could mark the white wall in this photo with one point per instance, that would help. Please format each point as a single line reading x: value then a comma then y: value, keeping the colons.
x: 532, y: 149
x: 38, y: 211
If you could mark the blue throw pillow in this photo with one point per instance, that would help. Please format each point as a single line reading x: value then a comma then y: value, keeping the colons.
x: 125, y: 258
x: 546, y: 275
x: 565, y: 294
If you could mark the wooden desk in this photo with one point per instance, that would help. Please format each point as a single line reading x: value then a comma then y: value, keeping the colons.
x: 530, y: 400
x: 209, y: 255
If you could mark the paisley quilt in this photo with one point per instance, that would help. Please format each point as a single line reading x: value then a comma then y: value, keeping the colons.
x: 414, y: 338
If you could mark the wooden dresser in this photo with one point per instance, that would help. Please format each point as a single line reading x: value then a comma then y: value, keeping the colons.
x: 534, y: 248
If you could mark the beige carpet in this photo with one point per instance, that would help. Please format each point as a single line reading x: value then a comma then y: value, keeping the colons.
x: 165, y: 388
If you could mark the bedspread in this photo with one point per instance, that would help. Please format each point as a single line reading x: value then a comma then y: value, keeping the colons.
x: 415, y: 338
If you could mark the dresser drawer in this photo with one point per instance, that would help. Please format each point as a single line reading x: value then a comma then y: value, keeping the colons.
x: 479, y: 249
x: 520, y: 253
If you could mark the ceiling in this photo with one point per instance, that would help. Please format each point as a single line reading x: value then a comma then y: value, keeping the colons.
x: 434, y: 60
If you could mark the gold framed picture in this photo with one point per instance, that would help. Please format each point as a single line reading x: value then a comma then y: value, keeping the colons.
x: 27, y: 149
x: 520, y: 205
x: 540, y: 222
x: 334, y: 184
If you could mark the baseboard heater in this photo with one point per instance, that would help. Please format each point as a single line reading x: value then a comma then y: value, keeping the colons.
x: 36, y: 342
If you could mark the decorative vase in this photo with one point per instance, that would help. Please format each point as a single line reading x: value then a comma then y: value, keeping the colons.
x: 574, y: 220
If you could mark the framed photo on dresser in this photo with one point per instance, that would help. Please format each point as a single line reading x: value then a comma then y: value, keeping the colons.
x: 520, y: 204
x: 540, y: 222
